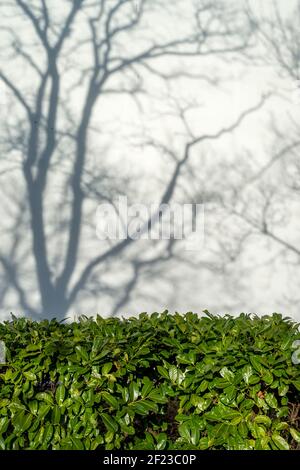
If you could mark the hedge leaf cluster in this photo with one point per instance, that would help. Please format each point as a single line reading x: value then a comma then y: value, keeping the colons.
x: 158, y: 381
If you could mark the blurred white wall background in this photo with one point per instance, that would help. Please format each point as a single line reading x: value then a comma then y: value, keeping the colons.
x: 131, y: 85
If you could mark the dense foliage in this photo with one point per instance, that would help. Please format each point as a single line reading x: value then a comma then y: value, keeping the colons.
x: 159, y: 381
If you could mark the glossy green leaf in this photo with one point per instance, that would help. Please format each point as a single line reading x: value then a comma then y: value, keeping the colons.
x: 60, y: 394
x: 22, y: 422
x: 173, y: 374
x: 280, y: 442
x: 134, y: 391
x: 271, y: 400
x: 295, y: 434
x: 56, y: 415
x: 257, y: 364
x: 110, y: 399
x: 30, y: 375
x: 184, y: 431
x: 44, y: 409
x: 110, y: 423
x: 147, y: 387
x: 107, y: 368
x: 263, y: 419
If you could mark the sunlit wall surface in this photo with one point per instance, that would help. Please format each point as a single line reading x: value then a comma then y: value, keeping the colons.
x: 159, y: 105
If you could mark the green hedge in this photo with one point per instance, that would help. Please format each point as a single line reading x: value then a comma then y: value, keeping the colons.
x: 159, y: 381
